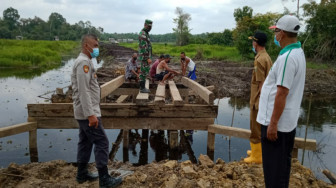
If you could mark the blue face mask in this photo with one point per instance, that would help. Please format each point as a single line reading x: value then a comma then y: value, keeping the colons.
x: 94, y: 53
x: 276, y: 42
x: 253, y: 49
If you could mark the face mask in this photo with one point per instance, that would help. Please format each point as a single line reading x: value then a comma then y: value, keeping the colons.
x: 182, y: 59
x: 276, y: 42
x: 94, y: 53
x: 168, y: 61
x: 134, y: 58
x: 148, y: 29
x: 253, y: 49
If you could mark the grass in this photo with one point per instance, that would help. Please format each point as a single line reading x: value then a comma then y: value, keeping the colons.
x: 216, y: 52
x: 34, y: 54
x: 207, y: 51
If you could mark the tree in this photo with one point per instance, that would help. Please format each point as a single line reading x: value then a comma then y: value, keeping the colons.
x: 11, y: 15
x: 239, y: 14
x: 320, y: 38
x: 55, y: 23
x: 248, y: 26
x: 10, y: 18
x: 182, y: 30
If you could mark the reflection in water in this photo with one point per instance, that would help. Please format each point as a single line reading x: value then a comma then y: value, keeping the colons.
x: 134, y: 139
x: 158, y: 141
x: 322, y: 112
x: 29, y: 73
x: 159, y: 145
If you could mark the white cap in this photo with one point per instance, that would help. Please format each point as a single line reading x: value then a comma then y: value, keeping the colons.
x: 288, y: 23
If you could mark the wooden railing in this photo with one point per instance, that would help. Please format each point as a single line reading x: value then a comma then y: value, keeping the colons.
x: 212, y: 129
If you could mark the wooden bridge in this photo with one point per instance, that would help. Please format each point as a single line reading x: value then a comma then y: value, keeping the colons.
x: 169, y: 109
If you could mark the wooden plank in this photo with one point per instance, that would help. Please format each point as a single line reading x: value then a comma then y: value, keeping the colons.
x: 211, y: 145
x: 211, y: 141
x: 142, y: 98
x: 17, y: 129
x: 126, y: 91
x: 173, y: 139
x: 110, y: 86
x: 127, y: 110
x: 210, y: 88
x: 300, y: 143
x: 229, y: 131
x: 176, y: 97
x: 125, y: 138
x: 330, y: 176
x: 203, y: 92
x: 245, y: 133
x: 122, y: 99
x: 160, y: 95
x: 295, y: 153
x: 33, y: 153
x: 130, y: 123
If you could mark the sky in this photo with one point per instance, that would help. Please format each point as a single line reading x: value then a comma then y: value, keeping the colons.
x: 128, y: 16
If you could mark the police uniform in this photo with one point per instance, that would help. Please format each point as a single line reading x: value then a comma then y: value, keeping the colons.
x: 145, y: 51
x: 86, y: 101
x: 262, y: 65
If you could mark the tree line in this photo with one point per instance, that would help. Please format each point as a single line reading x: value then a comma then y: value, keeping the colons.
x: 318, y: 38
x: 11, y: 26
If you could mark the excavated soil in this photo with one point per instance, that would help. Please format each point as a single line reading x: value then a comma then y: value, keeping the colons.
x: 166, y: 173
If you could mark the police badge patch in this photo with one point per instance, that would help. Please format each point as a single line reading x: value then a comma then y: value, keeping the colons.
x: 86, y: 68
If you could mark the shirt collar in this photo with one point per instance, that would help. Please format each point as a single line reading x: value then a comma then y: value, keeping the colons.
x: 259, y: 53
x: 290, y: 47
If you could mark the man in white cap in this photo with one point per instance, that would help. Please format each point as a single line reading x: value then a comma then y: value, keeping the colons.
x: 280, y: 101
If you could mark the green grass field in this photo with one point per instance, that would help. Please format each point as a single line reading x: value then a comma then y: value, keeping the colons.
x: 208, y: 51
x: 216, y: 52
x: 34, y: 54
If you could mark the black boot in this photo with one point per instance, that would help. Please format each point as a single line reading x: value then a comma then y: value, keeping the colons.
x: 143, y: 88
x: 83, y: 174
x: 106, y: 181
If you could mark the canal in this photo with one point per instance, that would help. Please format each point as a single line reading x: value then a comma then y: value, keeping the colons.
x: 23, y: 87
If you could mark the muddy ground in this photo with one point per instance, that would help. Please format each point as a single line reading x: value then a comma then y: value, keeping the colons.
x: 165, y: 174
x: 229, y: 78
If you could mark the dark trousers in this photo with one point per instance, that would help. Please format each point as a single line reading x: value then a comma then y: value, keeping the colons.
x: 277, y: 157
x: 89, y: 136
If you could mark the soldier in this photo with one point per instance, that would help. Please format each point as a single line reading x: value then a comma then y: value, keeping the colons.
x: 86, y: 99
x: 262, y: 65
x: 145, y: 54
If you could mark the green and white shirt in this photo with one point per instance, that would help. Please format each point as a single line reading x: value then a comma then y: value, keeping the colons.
x: 289, y: 70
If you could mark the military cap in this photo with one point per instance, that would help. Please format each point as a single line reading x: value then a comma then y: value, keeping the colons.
x: 148, y: 22
x: 259, y: 37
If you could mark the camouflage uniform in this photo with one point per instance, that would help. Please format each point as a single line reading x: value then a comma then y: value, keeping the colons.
x: 145, y: 51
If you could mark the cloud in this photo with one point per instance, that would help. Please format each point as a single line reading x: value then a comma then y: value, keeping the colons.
x: 129, y: 15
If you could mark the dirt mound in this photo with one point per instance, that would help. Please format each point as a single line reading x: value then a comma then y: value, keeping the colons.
x: 163, y: 174
x: 320, y: 82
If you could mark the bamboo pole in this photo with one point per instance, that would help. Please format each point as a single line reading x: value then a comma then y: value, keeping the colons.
x: 305, y: 139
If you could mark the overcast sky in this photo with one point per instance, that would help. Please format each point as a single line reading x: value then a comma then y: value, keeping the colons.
x: 124, y: 16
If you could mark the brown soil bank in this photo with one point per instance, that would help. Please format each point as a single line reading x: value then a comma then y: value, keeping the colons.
x: 230, y: 78
x: 163, y: 174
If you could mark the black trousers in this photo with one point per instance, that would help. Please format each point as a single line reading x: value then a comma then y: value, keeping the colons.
x: 277, y: 157
x: 89, y: 136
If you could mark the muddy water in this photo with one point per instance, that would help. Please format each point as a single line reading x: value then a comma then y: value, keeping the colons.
x: 16, y: 92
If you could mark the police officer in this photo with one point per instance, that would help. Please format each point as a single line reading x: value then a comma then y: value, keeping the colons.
x: 86, y: 99
x: 145, y: 54
x: 262, y: 65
